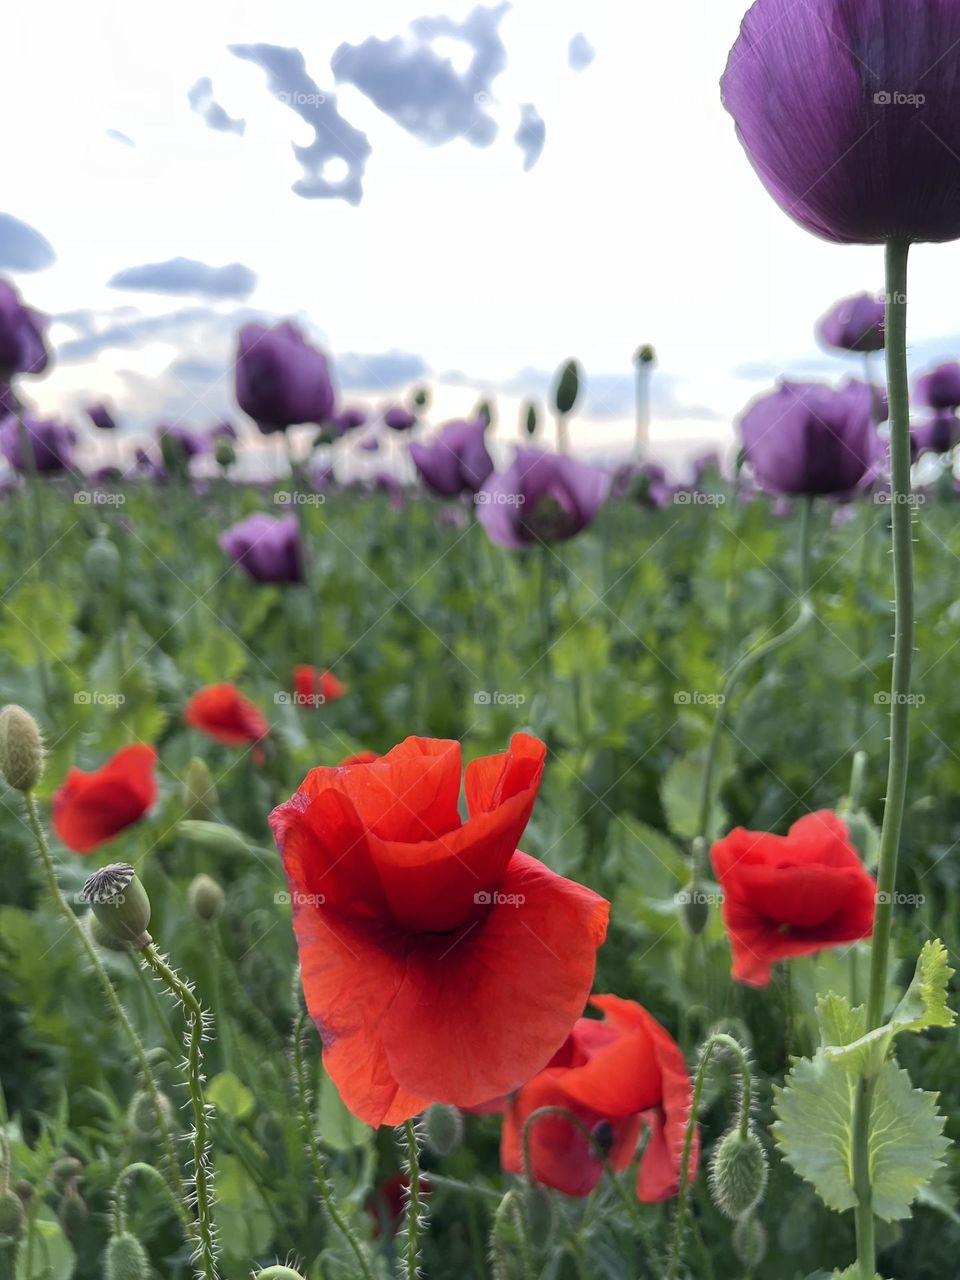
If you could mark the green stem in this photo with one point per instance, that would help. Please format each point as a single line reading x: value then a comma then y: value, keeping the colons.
x: 414, y: 1202
x: 149, y: 1083
x: 139, y: 1169
x: 904, y: 630
x: 206, y: 1255
x: 510, y: 1207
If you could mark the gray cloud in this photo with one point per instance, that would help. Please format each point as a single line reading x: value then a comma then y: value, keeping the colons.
x: 420, y: 89
x: 195, y: 329
x: 531, y: 135
x: 384, y: 372
x: 335, y: 138
x: 202, y: 101
x: 22, y: 248
x: 185, y: 276
x: 580, y: 52
x: 116, y: 136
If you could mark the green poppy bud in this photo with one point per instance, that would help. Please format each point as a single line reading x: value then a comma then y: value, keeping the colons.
x: 24, y: 1190
x: 12, y: 1216
x: 421, y: 397
x: 694, y: 904
x: 863, y: 833
x: 101, y: 563
x: 538, y: 1207
x: 142, y: 1115
x: 442, y: 1128
x: 100, y: 937
x: 645, y: 355
x: 72, y: 1213
x: 484, y: 411
x: 120, y: 903
x: 567, y: 390
x: 21, y: 748
x: 738, y: 1173
x: 199, y: 793
x: 224, y: 452
x: 65, y: 1171
x: 206, y: 898
x: 213, y: 836
x: 125, y: 1259
x: 749, y: 1241
x: 278, y: 1273
x: 530, y: 419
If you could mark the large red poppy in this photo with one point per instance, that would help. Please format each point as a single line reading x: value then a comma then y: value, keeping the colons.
x: 439, y: 962
x: 222, y: 712
x: 314, y: 687
x: 615, y: 1076
x: 91, y: 808
x: 791, y: 895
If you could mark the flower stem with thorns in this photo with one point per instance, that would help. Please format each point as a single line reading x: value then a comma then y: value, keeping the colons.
x: 415, y: 1201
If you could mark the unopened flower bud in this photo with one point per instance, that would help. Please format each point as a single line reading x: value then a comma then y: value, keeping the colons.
x: 206, y: 898
x: 442, y: 1128
x: 694, y: 908
x: 72, y: 1212
x: 538, y: 1208
x: 12, y: 1216
x: 421, y: 397
x: 749, y: 1240
x: 278, y: 1273
x: 120, y: 903
x: 645, y: 355
x: 738, y: 1174
x: 142, y: 1114
x: 567, y: 390
x: 213, y: 836
x: 530, y: 422
x: 21, y: 748
x: 125, y: 1259
x: 24, y: 1190
x: 224, y: 452
x: 101, y: 563
x: 863, y: 833
x: 199, y: 793
x: 65, y: 1171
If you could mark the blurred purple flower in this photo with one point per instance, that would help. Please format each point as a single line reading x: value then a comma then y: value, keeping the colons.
x: 348, y: 419
x: 939, y: 435
x: 370, y: 444
x: 268, y: 548
x: 456, y: 460
x: 101, y: 417
x: 940, y: 388
x: 849, y: 111
x: 281, y: 380
x: 643, y: 482
x: 397, y: 418
x: 51, y: 444
x: 224, y: 431
x: 180, y: 443
x: 811, y: 439
x: 855, y: 324
x: 541, y: 497
x: 22, y: 339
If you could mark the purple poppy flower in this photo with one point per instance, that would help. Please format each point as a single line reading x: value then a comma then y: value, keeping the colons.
x: 348, y: 420
x: 268, y: 548
x: 541, y: 497
x: 456, y: 461
x: 101, y: 417
x: 849, y: 111
x: 939, y: 435
x: 397, y: 418
x: 224, y: 431
x: 22, y: 345
x: 940, y: 388
x: 643, y: 482
x: 856, y: 324
x: 811, y: 439
x: 281, y: 380
x: 50, y: 444
x: 178, y: 443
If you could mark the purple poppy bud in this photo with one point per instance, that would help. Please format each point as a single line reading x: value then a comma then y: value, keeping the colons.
x: 268, y: 548
x: 940, y: 388
x: 30, y: 444
x: 856, y: 324
x: 456, y: 461
x: 22, y: 339
x: 281, y: 380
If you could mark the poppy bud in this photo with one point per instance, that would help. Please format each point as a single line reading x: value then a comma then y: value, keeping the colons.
x: 749, y: 1241
x: 12, y: 1216
x: 213, y: 836
x: 738, y: 1174
x: 442, y: 1128
x: 125, y: 1259
x: 24, y: 1190
x: 645, y: 355
x: 484, y: 411
x: 72, y: 1212
x: 568, y: 388
x: 421, y: 397
x: 530, y: 419
x: 141, y: 1116
x: 101, y: 563
x: 224, y: 452
x: 21, y: 748
x: 65, y: 1171
x: 120, y: 903
x: 538, y: 1208
x: 206, y: 898
x: 199, y: 793
x: 278, y: 1273
x: 863, y: 833
x: 694, y: 908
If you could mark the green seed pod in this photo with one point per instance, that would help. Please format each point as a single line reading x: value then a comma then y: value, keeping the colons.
x: 538, y: 1208
x: 645, y: 355
x: 442, y: 1128
x: 100, y: 937
x: 694, y: 908
x: 141, y: 1116
x: 125, y: 1259
x: 567, y: 390
x: 120, y: 903
x: 749, y: 1241
x: 206, y: 898
x: 21, y: 748
x: 213, y: 836
x: 278, y: 1273
x: 102, y: 563
x: 65, y: 1171
x: 530, y: 422
x: 12, y: 1216
x: 72, y: 1213
x: 738, y: 1173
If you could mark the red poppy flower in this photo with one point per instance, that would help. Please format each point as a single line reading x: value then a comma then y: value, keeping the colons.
x: 362, y: 757
x: 791, y: 895
x: 314, y: 688
x: 615, y: 1076
x: 222, y: 711
x: 439, y: 962
x: 91, y: 808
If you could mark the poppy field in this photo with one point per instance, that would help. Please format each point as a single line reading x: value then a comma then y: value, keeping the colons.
x: 433, y: 854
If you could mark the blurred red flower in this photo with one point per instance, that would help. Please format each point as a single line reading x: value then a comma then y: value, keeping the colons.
x: 222, y: 712
x: 439, y: 963
x: 314, y: 687
x: 615, y: 1076
x: 791, y: 895
x: 91, y: 808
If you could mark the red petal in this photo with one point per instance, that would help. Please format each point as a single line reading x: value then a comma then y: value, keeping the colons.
x: 92, y: 808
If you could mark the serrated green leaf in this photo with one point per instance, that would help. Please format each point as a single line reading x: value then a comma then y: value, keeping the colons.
x: 814, y: 1132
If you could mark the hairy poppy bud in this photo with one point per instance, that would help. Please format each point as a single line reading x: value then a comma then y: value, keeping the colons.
x: 125, y: 1259
x: 278, y: 1273
x: 863, y: 833
x: 738, y: 1174
x: 538, y: 1207
x: 213, y: 836
x: 24, y: 1190
x: 101, y: 563
x: 12, y: 1216
x: 694, y: 907
x: 749, y: 1241
x: 120, y: 903
x: 21, y: 748
x: 199, y: 793
x: 568, y: 388
x: 442, y: 1128
x: 72, y: 1212
x: 65, y: 1171
x: 206, y: 898
x: 142, y: 1117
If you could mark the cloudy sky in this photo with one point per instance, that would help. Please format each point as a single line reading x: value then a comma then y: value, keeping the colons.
x: 438, y: 191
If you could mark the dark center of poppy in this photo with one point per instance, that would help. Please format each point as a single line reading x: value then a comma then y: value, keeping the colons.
x: 602, y: 1134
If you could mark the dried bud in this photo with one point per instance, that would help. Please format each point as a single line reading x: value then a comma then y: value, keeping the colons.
x: 142, y: 1115
x: 125, y: 1259
x: 199, y: 793
x: 749, y: 1241
x: 101, y: 563
x: 738, y: 1174
x: 120, y: 903
x: 21, y: 748
x: 206, y: 898
x: 442, y: 1128
x: 12, y: 1216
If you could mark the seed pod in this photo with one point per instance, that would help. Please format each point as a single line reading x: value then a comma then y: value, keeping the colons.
x: 101, y: 563
x: 125, y: 1259
x: 206, y: 898
x: 100, y: 937
x: 749, y: 1240
x: 120, y: 903
x: 738, y: 1174
x: 568, y: 388
x: 21, y: 748
x: 12, y: 1216
x: 442, y: 1128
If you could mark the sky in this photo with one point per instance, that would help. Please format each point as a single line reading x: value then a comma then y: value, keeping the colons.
x: 439, y: 192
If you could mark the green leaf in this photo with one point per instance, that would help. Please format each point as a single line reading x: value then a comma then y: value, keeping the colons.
x: 53, y: 1257
x: 243, y: 1220
x: 231, y: 1096
x: 36, y: 622
x: 680, y: 793
x: 339, y: 1128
